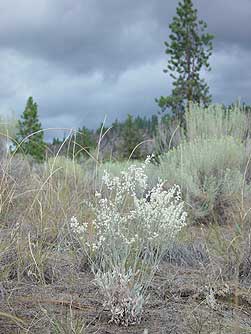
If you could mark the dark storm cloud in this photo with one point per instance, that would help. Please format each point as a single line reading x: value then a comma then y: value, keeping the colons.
x: 109, y: 35
x: 83, y: 35
x: 229, y: 20
x: 97, y: 98
x: 82, y: 60
x: 231, y: 79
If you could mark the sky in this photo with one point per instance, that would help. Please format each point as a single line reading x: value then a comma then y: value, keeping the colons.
x: 87, y: 60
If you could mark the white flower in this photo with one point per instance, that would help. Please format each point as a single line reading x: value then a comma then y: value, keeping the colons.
x: 79, y: 229
x: 130, y: 230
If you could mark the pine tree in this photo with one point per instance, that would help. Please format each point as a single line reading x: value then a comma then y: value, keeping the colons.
x: 131, y: 138
x: 189, y: 50
x: 83, y: 142
x: 30, y: 134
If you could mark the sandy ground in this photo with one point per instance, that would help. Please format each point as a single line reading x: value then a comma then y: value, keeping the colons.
x: 182, y: 299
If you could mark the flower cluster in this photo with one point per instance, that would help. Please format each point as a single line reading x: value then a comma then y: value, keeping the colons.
x: 160, y: 217
x: 126, y: 217
x: 131, y: 231
x: 77, y: 228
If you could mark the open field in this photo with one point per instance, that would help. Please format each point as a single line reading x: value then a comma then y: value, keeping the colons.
x: 83, y: 250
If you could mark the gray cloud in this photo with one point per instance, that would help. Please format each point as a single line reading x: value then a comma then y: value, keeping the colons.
x: 84, y: 59
x: 83, y: 35
x: 231, y: 79
x: 229, y: 20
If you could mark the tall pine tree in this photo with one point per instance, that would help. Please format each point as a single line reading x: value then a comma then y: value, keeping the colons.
x: 189, y: 50
x: 30, y: 132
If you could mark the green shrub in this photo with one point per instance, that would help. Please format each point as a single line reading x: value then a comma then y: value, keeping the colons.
x: 209, y: 161
x: 215, y: 121
x: 207, y: 171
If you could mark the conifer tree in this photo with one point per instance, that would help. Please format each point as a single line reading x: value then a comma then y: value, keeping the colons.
x: 189, y: 50
x: 84, y: 142
x: 131, y: 138
x: 30, y: 132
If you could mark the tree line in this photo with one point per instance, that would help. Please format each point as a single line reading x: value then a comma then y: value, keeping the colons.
x: 30, y: 137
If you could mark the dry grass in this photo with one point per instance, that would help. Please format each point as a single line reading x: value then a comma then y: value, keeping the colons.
x: 46, y: 284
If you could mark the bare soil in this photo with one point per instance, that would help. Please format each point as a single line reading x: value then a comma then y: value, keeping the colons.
x: 182, y: 299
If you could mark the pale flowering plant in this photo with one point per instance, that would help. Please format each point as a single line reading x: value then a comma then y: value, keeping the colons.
x: 132, y: 228
x: 122, y: 295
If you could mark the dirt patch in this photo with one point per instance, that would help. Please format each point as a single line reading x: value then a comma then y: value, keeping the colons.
x: 181, y: 300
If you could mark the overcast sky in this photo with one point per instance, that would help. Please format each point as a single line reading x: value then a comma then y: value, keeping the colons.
x: 84, y: 59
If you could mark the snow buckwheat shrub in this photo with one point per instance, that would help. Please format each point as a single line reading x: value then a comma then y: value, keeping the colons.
x: 133, y: 227
x: 123, y: 298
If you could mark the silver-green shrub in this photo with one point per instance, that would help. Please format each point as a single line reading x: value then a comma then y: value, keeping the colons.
x: 215, y: 121
x: 130, y: 232
x: 205, y: 169
x: 209, y: 162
